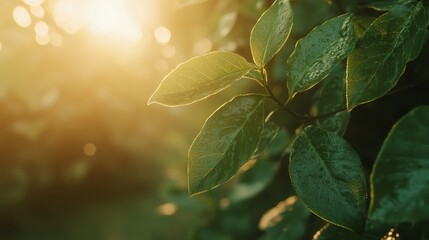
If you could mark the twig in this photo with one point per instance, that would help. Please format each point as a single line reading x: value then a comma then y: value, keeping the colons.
x: 283, y: 106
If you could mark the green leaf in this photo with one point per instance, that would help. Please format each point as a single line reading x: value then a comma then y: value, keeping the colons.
x: 268, y: 136
x: 281, y: 142
x: 330, y: 232
x: 271, y: 32
x: 227, y: 141
x: 328, y: 177
x: 254, y: 180
x: 255, y: 75
x: 199, y: 78
x: 333, y: 98
x: 400, y: 178
x: 391, y: 41
x: 317, y: 53
x: 285, y: 221
x: 386, y: 5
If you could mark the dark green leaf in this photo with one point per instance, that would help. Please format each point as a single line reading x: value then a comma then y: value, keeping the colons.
x: 227, y: 141
x: 391, y: 41
x: 333, y: 98
x: 361, y: 23
x: 254, y: 180
x: 318, y: 52
x: 199, y: 78
x: 386, y: 5
x: 268, y: 135
x: 280, y: 143
x: 285, y: 221
x: 328, y: 177
x: 400, y: 178
x: 331, y: 232
x: 271, y: 32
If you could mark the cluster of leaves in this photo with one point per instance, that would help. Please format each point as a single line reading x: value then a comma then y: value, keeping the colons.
x: 325, y: 170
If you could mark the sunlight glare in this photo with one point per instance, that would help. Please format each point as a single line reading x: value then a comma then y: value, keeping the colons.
x: 111, y: 17
x: 33, y: 3
x: 114, y: 17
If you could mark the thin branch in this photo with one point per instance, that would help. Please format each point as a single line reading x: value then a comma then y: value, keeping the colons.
x: 325, y: 115
x: 273, y: 97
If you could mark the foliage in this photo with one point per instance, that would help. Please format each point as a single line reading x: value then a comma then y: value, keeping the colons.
x: 327, y: 173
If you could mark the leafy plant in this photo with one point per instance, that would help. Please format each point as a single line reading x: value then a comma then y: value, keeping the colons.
x: 325, y: 170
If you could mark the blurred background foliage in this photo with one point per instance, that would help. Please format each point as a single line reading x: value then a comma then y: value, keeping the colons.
x: 83, y: 157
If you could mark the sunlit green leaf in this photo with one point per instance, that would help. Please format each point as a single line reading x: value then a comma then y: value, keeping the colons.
x: 328, y: 177
x: 199, y: 78
x: 227, y: 140
x: 391, y: 41
x: 333, y: 98
x: 255, y: 179
x: 254, y: 74
x: 271, y: 32
x: 285, y: 221
x: 318, y: 52
x: 331, y: 232
x: 400, y: 178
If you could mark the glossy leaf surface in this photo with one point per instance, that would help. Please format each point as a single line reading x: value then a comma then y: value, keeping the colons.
x: 227, y: 140
x: 199, y: 78
x: 333, y: 98
x: 285, y: 221
x: 317, y: 53
x: 400, y: 178
x: 271, y: 32
x: 390, y: 42
x: 328, y: 177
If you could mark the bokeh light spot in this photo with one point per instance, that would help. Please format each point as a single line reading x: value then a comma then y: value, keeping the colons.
x: 22, y: 17
x: 202, y: 46
x: 42, y: 40
x: 168, y: 51
x: 41, y: 28
x: 167, y: 209
x: 162, y: 35
x: 56, y: 39
x: 89, y: 149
